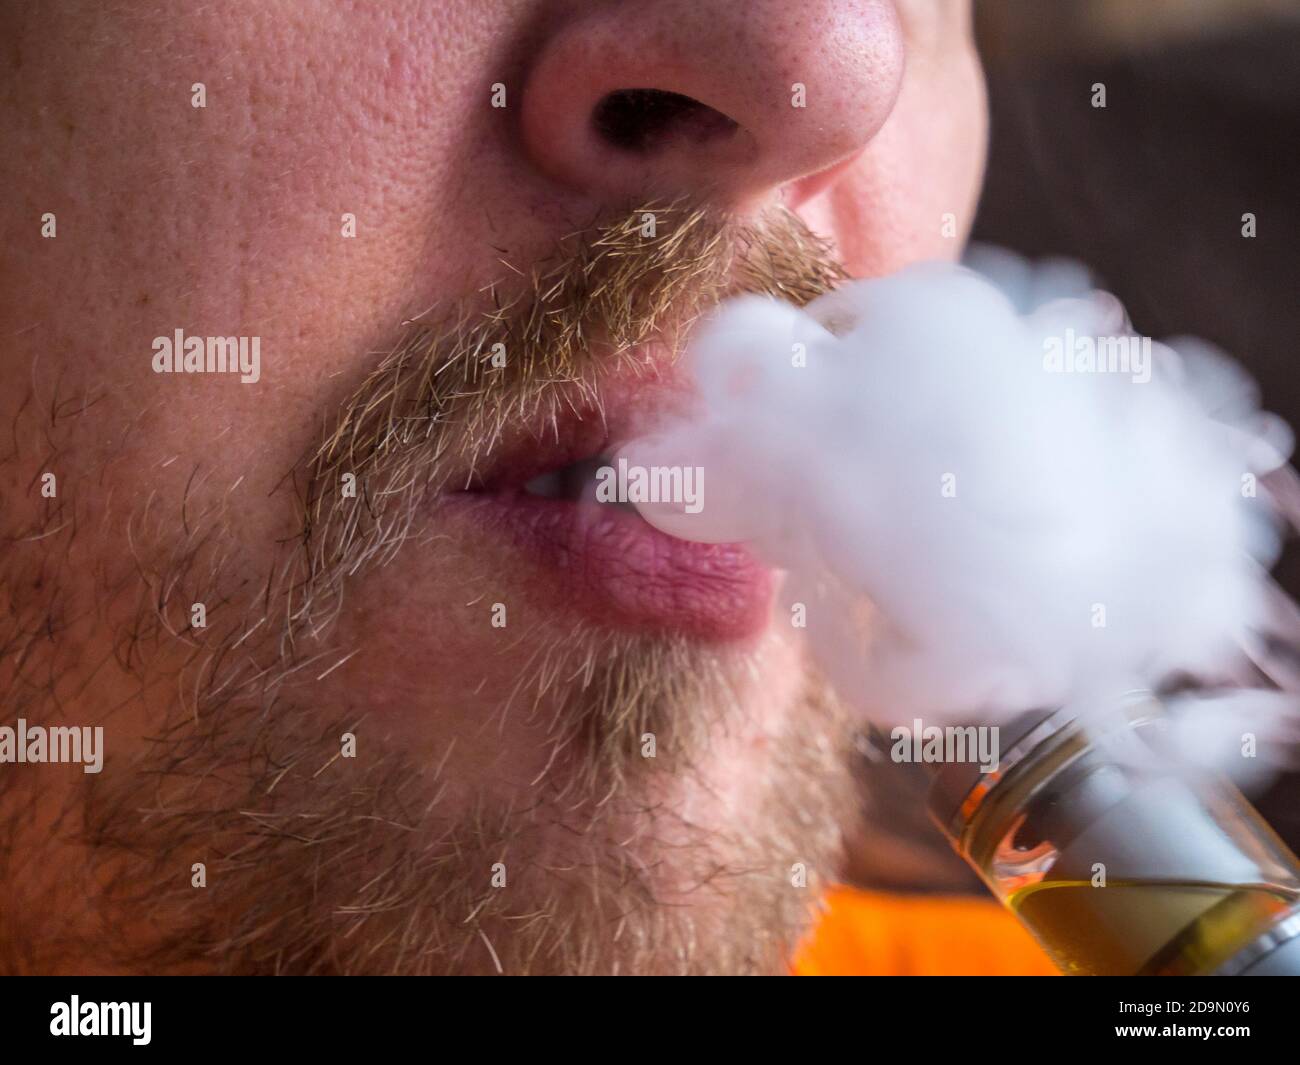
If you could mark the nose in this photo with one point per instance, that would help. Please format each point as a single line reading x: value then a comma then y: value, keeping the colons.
x: 721, y: 99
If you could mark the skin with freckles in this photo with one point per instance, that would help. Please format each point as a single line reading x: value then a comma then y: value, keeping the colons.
x: 419, y: 730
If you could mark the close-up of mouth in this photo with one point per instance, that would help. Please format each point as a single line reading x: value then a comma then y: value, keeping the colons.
x: 601, y: 559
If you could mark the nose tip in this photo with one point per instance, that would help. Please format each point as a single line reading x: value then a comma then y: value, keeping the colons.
x: 712, y: 98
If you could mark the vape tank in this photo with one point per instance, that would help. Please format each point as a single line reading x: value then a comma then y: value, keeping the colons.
x: 1120, y: 858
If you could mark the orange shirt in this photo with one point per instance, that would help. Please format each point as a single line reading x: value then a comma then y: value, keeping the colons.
x: 873, y: 934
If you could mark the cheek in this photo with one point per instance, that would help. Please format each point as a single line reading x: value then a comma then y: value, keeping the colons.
x: 912, y: 196
x: 228, y: 219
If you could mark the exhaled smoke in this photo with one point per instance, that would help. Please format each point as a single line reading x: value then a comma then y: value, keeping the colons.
x: 990, y: 493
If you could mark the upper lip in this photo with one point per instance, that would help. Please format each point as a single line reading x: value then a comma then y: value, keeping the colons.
x: 534, y: 450
x: 621, y: 408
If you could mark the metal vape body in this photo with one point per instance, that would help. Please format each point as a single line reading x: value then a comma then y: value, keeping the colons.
x: 1118, y: 857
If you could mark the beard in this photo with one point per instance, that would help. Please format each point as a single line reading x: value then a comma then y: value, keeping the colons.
x: 233, y: 826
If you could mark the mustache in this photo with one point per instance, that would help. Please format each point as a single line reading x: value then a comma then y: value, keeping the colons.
x: 527, y: 348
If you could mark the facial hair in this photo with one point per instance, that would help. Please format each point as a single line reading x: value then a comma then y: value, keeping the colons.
x: 309, y: 871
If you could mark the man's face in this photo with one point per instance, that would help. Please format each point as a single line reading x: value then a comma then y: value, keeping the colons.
x: 380, y: 691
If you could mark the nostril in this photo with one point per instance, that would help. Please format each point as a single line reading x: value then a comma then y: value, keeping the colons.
x: 697, y: 99
x: 645, y: 120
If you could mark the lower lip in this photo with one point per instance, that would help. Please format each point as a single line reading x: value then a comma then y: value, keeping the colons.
x: 616, y: 569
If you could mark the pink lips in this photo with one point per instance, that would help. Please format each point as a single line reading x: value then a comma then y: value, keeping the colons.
x: 603, y: 560
x: 618, y: 570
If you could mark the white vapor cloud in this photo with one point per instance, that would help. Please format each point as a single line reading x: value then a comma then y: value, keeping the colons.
x: 978, y: 520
